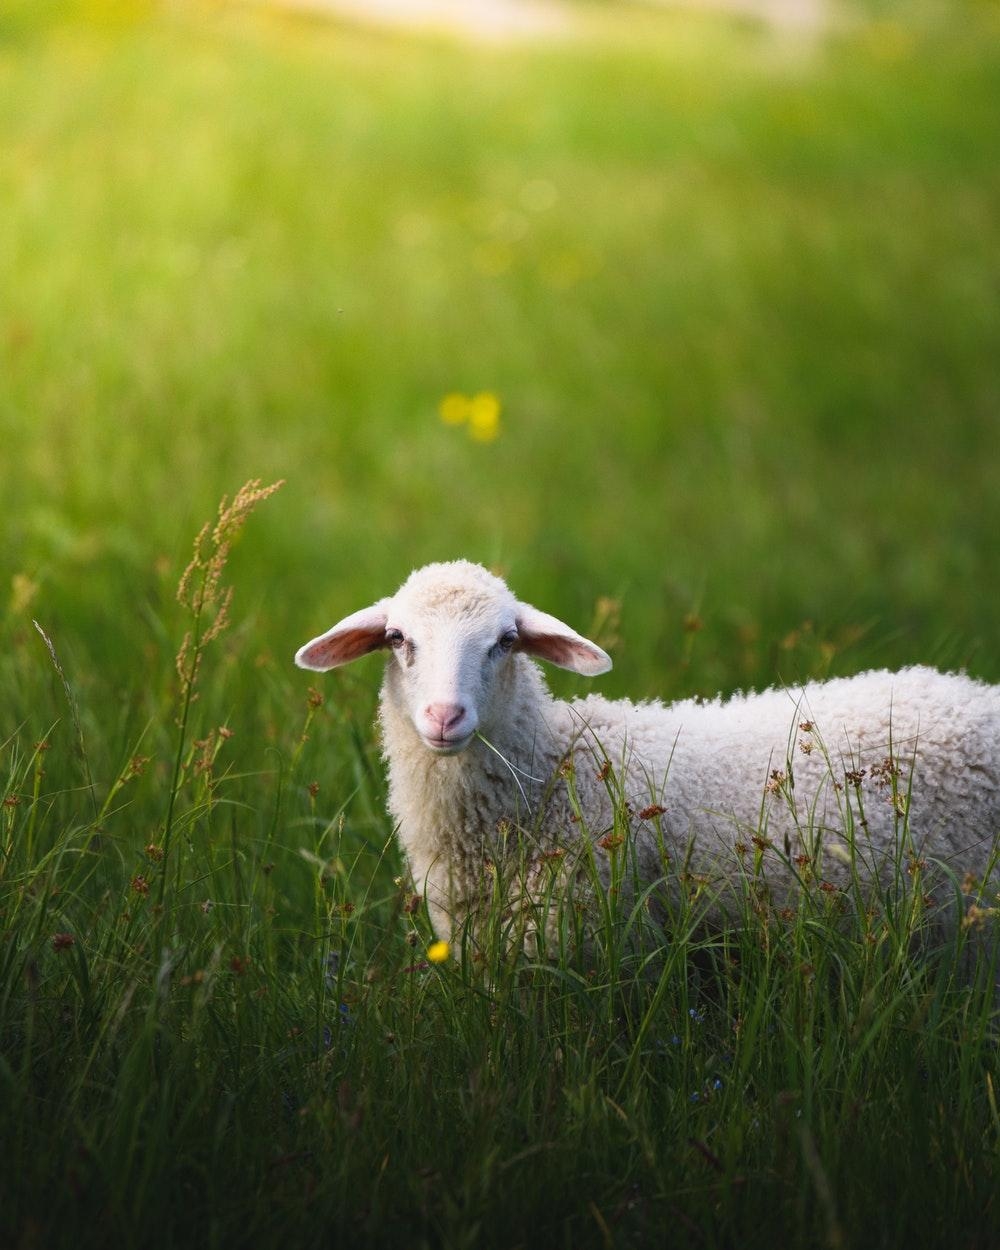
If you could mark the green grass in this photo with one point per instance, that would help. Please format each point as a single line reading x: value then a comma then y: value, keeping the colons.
x: 736, y: 294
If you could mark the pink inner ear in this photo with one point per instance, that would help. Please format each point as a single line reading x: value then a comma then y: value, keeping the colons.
x: 557, y: 650
x: 350, y: 639
x: 549, y: 639
x: 341, y: 648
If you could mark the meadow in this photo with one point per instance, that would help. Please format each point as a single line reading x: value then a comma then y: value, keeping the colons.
x: 686, y: 324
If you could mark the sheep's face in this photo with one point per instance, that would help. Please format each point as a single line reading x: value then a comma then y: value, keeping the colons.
x: 452, y: 631
x: 446, y: 670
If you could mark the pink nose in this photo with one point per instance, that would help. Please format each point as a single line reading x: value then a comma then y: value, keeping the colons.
x: 445, y: 716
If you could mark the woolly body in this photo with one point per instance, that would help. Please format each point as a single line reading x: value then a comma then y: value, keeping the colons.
x: 724, y: 772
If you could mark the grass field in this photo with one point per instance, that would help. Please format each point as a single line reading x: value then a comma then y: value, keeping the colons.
x: 734, y: 294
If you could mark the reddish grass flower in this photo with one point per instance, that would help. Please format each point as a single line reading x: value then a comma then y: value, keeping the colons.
x: 654, y: 810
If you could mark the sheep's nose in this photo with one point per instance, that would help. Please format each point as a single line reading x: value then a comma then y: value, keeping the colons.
x: 445, y: 715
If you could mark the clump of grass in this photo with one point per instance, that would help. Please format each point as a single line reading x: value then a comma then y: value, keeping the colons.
x: 208, y: 602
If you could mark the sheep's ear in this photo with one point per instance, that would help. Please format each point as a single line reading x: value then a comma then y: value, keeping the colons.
x: 549, y: 639
x: 353, y: 637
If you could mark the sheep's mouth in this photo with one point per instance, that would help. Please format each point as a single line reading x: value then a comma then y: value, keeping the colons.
x: 447, y: 746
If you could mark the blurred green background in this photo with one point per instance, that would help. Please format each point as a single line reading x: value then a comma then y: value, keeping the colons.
x: 734, y: 287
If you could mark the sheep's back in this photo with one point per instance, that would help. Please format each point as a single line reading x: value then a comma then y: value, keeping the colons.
x: 880, y: 757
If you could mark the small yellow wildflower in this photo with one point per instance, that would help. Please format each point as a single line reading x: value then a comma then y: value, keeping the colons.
x: 484, y: 417
x: 454, y: 409
x: 479, y: 413
x: 438, y: 952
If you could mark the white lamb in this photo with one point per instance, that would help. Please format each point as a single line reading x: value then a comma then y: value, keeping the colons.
x: 848, y: 776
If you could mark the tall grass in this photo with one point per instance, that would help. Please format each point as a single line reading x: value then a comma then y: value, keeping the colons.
x: 735, y: 297
x: 264, y: 1052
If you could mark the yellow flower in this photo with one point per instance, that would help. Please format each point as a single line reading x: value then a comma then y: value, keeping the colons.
x: 480, y: 413
x: 438, y: 952
x: 484, y: 417
x: 454, y: 409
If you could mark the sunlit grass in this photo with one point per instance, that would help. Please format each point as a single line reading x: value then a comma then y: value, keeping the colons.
x: 753, y: 276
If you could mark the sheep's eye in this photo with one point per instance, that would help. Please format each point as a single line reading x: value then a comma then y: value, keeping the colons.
x: 506, y: 641
x: 394, y: 637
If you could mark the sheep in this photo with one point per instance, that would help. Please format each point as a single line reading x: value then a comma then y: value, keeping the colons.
x: 874, y: 777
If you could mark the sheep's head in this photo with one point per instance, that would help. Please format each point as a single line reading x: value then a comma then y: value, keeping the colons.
x: 452, y: 631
